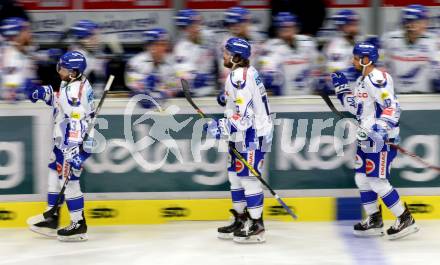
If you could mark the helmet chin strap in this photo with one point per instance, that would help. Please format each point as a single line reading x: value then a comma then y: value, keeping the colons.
x: 364, y: 66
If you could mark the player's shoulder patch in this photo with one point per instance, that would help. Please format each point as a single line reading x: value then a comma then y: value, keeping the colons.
x: 378, y: 78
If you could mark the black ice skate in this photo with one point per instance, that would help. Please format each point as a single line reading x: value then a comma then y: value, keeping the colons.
x: 44, y: 226
x: 252, y: 233
x: 227, y: 232
x: 371, y: 226
x: 76, y: 231
x: 404, y: 226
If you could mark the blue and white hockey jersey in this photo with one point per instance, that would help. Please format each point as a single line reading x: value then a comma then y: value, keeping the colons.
x: 414, y: 66
x: 73, y: 109
x: 290, y: 69
x: 247, y: 107
x: 373, y: 101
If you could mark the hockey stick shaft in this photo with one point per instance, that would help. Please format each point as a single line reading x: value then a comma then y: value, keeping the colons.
x: 90, y: 127
x: 187, y: 93
x: 330, y: 104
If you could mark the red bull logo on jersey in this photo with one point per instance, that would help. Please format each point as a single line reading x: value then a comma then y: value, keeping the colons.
x: 239, y: 166
x: 369, y: 166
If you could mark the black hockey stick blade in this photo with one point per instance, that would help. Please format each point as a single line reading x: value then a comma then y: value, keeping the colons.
x: 187, y: 92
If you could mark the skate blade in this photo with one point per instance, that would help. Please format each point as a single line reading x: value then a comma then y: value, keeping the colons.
x: 48, y: 232
x: 374, y: 232
x: 225, y: 236
x: 405, y: 232
x: 74, y: 238
x: 255, y: 239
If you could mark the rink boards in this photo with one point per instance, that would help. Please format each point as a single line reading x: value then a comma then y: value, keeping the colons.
x: 128, y: 212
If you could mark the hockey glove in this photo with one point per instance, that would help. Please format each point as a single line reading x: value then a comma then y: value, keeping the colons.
x: 340, y: 83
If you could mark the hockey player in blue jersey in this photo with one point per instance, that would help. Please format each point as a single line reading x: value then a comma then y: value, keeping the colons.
x: 247, y: 126
x: 377, y: 110
x: 73, y: 108
x: 411, y: 54
x: 197, y: 66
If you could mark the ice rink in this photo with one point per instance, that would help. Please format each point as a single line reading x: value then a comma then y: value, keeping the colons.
x: 193, y: 243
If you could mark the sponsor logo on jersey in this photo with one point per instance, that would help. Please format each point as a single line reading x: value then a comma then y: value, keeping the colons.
x: 388, y: 111
x: 174, y: 211
x: 384, y: 95
x: 257, y: 80
x: 239, y: 166
x: 6, y: 215
x: 362, y: 95
x: 59, y: 168
x: 75, y: 115
x: 383, y: 165
x: 369, y: 166
x: 251, y: 158
x: 239, y: 101
x: 102, y: 213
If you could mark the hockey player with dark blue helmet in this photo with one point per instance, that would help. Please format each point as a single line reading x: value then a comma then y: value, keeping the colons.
x: 73, y: 108
x: 374, y: 103
x: 411, y: 53
x: 17, y: 67
x: 248, y: 127
x: 198, y: 65
x: 152, y: 71
x: 289, y: 63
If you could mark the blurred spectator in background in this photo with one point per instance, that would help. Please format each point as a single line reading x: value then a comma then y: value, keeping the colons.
x: 338, y: 52
x: 11, y: 8
x: 88, y: 42
x: 290, y: 61
x: 311, y: 13
x: 17, y: 68
x: 411, y: 54
x: 194, y: 53
x: 238, y: 21
x: 152, y: 72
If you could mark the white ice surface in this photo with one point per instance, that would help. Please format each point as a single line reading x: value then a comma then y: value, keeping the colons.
x: 195, y: 243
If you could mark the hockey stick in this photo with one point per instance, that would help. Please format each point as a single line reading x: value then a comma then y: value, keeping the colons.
x: 53, y: 211
x: 330, y: 104
x: 187, y: 93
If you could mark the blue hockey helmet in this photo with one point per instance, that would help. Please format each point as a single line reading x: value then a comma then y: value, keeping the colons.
x: 84, y: 29
x: 186, y: 17
x: 414, y: 12
x: 235, y: 15
x: 344, y: 17
x: 11, y: 27
x: 363, y: 49
x: 73, y: 60
x: 285, y: 19
x: 156, y: 34
x: 237, y: 46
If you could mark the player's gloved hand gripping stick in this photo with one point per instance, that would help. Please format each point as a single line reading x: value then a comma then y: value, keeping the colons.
x: 330, y: 104
x: 53, y: 211
x: 187, y: 93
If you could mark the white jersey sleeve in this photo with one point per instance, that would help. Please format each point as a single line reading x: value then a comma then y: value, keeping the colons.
x: 136, y: 70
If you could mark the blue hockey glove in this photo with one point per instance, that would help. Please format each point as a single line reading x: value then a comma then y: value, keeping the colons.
x: 381, y: 130
x: 340, y: 83
x: 36, y: 93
